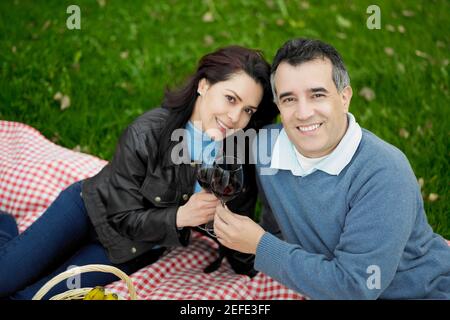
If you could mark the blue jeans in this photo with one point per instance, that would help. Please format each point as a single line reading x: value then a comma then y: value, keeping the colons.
x: 63, y: 236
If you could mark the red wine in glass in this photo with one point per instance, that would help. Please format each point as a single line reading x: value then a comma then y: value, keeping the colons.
x: 224, y: 178
x: 227, y: 179
x: 204, y: 178
x: 226, y: 186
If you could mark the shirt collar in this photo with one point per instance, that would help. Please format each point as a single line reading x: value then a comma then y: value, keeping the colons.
x: 333, y: 164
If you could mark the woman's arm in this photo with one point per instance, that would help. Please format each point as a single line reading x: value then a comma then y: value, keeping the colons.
x: 150, y: 211
x: 128, y: 211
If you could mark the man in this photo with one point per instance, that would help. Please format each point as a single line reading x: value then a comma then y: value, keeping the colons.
x: 343, y: 215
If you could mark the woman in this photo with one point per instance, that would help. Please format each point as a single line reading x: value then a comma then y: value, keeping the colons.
x: 144, y: 200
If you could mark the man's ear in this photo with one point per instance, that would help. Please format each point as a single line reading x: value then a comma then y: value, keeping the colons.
x: 203, y: 86
x: 346, y: 97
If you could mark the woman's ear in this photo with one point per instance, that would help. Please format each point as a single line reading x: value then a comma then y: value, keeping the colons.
x: 203, y: 86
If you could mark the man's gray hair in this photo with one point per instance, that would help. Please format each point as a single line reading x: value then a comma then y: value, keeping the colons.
x: 298, y: 51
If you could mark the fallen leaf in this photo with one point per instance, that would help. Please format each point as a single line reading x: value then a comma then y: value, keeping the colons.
x: 341, y: 35
x: 225, y: 34
x: 128, y: 87
x: 420, y: 130
x: 56, y: 137
x: 421, y: 54
x: 390, y: 27
x: 208, y: 17
x: 270, y: 4
x: 433, y: 197
x: 77, y: 148
x: 408, y: 13
x: 58, y: 96
x: 389, y: 51
x: 13, y: 49
x: 304, y: 5
x: 101, y: 3
x: 421, y: 182
x: 296, y: 23
x: 367, y: 93
x: 401, y: 29
x: 208, y: 40
x: 76, y: 66
x: 403, y: 133
x: 65, y: 102
x: 124, y: 54
x: 280, y: 22
x: 440, y: 44
x: 46, y: 25
x: 341, y: 21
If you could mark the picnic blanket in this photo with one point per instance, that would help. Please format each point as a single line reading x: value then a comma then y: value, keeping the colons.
x: 34, y: 170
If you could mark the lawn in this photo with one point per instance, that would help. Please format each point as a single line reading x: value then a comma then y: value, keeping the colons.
x: 127, y: 52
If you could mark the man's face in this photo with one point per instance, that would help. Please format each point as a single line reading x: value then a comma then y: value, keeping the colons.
x: 312, y: 111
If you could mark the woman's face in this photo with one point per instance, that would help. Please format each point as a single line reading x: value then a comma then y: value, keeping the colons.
x: 227, y: 106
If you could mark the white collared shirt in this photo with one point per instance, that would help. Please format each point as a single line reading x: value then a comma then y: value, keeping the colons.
x: 286, y: 157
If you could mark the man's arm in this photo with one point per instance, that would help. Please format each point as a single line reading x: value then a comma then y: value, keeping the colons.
x: 374, y: 236
x: 268, y: 221
x: 377, y: 227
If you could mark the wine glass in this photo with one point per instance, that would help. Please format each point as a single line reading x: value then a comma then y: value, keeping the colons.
x: 227, y: 181
x: 204, y: 175
x: 224, y: 178
x: 204, y: 178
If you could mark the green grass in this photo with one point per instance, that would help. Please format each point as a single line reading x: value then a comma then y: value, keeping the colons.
x: 164, y: 40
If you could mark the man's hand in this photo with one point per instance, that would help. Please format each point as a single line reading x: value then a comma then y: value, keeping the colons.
x: 236, y: 232
x: 198, y: 210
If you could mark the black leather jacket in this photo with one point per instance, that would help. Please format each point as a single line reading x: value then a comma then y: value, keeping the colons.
x: 133, y: 200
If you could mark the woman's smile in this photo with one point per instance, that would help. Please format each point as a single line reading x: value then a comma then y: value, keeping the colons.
x: 222, y: 127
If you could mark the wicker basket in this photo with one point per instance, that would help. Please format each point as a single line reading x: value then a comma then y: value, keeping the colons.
x: 78, y: 294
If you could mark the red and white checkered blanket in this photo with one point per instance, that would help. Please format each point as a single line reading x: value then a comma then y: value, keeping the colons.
x: 33, y: 171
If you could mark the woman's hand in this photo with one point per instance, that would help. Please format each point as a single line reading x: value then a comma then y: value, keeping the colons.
x: 200, y: 209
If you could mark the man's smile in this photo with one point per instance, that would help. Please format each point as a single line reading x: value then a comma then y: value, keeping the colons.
x: 309, y: 129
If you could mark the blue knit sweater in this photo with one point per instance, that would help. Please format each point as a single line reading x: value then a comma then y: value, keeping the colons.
x: 362, y: 234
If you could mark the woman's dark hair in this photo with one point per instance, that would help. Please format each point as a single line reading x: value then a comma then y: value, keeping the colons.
x: 218, y: 66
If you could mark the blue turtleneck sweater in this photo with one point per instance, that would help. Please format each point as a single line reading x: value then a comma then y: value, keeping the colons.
x: 201, y: 147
